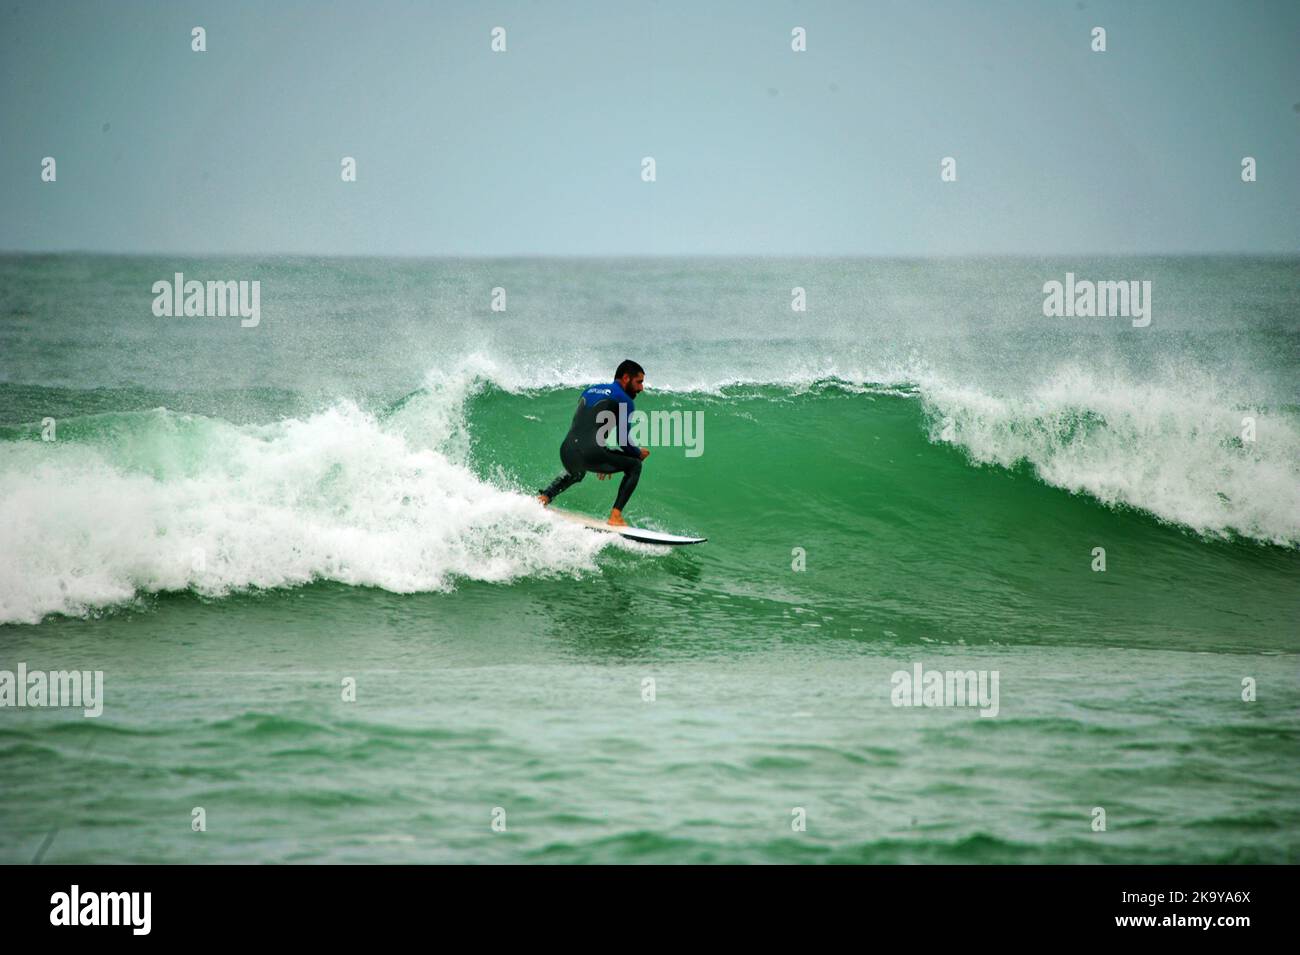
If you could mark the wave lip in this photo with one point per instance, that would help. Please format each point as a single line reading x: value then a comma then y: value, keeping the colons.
x: 1170, y: 444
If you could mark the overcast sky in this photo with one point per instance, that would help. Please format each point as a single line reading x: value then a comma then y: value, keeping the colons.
x: 759, y: 149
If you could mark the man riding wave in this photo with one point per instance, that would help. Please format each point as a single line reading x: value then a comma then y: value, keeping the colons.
x: 583, y: 449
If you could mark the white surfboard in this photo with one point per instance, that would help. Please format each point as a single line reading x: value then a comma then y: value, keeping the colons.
x: 631, y: 533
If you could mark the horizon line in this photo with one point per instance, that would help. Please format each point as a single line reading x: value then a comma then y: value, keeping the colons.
x: 582, y: 256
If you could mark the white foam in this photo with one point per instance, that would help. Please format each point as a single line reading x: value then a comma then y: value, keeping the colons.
x: 337, y: 496
x: 1168, y: 445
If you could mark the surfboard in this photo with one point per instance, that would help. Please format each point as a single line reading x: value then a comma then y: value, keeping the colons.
x: 638, y: 534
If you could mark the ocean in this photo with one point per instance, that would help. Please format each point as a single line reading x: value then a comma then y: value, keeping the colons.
x: 334, y: 625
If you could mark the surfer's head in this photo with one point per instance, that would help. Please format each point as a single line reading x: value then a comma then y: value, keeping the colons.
x: 631, y: 377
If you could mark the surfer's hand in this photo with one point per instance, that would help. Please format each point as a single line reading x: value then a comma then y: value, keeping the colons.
x: 602, y: 477
x: 645, y: 453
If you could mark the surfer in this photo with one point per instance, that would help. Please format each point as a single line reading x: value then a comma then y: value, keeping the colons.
x: 584, y: 448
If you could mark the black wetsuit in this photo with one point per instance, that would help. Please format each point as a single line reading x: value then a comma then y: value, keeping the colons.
x: 583, y: 449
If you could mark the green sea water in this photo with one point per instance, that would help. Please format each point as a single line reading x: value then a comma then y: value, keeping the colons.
x: 919, y: 469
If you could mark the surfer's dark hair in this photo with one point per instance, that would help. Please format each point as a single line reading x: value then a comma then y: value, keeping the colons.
x: 628, y: 367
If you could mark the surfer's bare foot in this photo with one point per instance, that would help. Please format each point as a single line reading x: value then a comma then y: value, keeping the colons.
x: 616, y: 518
x: 544, y: 499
